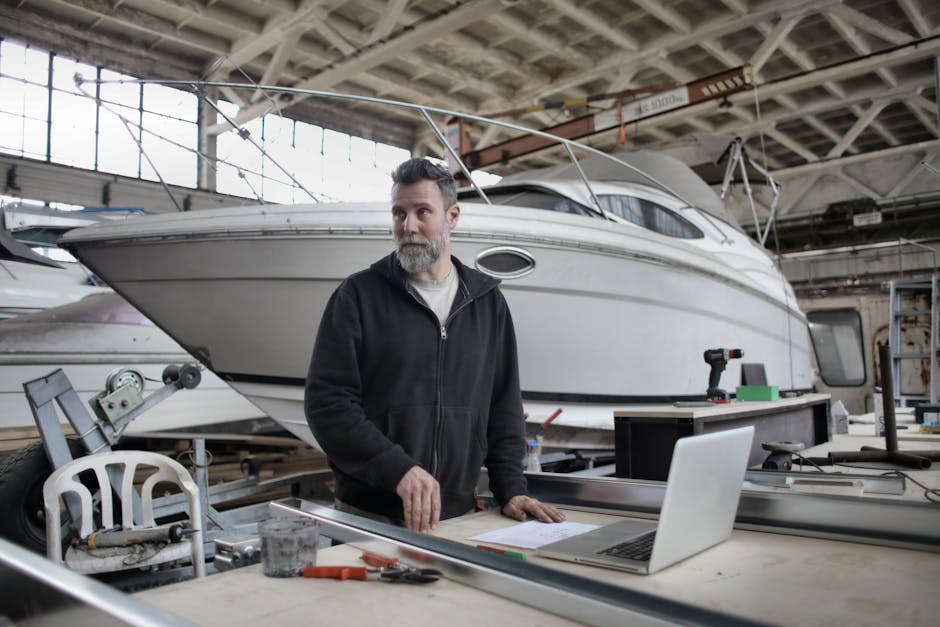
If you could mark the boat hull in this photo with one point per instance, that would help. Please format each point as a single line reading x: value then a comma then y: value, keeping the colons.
x: 607, y: 316
x: 32, y: 346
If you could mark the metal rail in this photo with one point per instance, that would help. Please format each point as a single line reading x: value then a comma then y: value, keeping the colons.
x: 868, y: 520
x: 581, y: 599
x: 38, y: 592
x: 200, y: 87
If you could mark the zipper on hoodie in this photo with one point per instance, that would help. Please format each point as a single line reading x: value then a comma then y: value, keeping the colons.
x: 439, y: 418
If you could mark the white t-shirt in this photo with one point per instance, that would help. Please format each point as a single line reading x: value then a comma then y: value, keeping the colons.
x: 439, y: 295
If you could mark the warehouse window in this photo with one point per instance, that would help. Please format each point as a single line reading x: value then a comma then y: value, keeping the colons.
x: 299, y: 157
x: 151, y: 132
x: 24, y: 100
x: 837, y: 342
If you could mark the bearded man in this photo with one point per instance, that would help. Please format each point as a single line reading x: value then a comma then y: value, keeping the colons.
x: 414, y: 385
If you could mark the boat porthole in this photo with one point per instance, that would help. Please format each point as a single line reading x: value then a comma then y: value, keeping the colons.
x: 505, y: 262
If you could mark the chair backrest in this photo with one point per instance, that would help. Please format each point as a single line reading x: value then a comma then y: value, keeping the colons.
x: 117, y: 470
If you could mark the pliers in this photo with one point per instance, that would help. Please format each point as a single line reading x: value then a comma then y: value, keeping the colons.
x: 385, y: 569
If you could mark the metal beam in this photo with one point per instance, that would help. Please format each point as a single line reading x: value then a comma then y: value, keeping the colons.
x: 701, y: 90
x: 856, y: 519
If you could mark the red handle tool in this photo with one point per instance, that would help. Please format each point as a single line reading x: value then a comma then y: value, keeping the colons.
x: 336, y: 572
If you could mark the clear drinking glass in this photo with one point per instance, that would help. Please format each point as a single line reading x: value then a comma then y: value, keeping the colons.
x: 288, y: 545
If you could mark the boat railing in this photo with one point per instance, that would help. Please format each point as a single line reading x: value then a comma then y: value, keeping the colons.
x: 201, y: 89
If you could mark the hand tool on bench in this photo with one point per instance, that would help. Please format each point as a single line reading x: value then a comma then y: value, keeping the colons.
x: 387, y: 569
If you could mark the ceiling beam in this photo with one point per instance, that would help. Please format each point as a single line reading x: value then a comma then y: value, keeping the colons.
x: 793, y: 193
x: 896, y: 56
x: 367, y: 59
x: 871, y: 25
x: 772, y: 41
x: 251, y: 45
x: 148, y: 25
x: 548, y: 44
x: 841, y: 162
x: 587, y: 18
x: 860, y: 125
x: 864, y: 190
x: 277, y: 64
x: 924, y: 110
x: 916, y: 170
x: 916, y: 16
x: 708, y: 30
x: 861, y: 47
x: 387, y: 20
x: 323, y: 26
x: 667, y: 15
x: 791, y: 144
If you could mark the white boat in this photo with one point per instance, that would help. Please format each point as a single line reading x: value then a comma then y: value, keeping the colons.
x: 92, y: 338
x: 607, y: 312
x: 619, y: 271
x: 30, y: 281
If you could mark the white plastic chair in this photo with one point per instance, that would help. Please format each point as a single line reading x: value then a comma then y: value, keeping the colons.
x: 123, y: 466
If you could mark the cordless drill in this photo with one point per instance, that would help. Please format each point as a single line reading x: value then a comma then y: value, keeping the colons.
x: 718, y: 358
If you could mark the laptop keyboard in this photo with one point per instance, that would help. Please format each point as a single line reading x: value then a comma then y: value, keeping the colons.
x: 639, y: 548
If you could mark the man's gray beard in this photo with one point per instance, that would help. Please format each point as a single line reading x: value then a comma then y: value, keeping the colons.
x: 415, y: 260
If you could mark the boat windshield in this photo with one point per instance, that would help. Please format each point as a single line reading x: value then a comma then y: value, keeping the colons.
x: 649, y: 215
x: 532, y: 198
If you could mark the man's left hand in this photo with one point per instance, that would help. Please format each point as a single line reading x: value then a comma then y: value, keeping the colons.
x: 519, y: 506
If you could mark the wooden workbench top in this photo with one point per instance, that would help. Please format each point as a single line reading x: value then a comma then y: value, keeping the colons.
x: 246, y: 597
x: 767, y: 577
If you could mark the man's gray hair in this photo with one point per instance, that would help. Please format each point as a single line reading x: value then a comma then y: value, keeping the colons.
x: 420, y: 169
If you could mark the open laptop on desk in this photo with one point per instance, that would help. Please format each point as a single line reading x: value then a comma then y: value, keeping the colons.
x: 702, y: 493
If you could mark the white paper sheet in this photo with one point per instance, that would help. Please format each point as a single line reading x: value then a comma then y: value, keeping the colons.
x: 533, y: 534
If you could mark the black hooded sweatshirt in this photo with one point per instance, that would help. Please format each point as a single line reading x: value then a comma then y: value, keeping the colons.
x: 389, y: 388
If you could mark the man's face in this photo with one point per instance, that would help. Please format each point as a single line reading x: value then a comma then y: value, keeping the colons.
x: 421, y: 225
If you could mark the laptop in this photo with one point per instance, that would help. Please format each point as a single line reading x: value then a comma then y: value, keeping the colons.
x: 702, y: 493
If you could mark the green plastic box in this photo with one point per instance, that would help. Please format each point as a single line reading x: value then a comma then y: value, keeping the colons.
x: 758, y: 393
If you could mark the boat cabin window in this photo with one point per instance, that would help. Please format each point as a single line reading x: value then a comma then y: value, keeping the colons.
x: 649, y: 215
x: 837, y: 342
x: 43, y: 242
x: 533, y: 199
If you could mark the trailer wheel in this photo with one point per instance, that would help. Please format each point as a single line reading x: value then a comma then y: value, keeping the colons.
x: 22, y: 476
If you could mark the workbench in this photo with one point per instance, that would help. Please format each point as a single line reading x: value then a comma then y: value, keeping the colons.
x: 764, y: 577
x: 644, y: 435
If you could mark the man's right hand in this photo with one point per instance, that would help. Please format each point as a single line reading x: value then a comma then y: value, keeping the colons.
x: 421, y: 499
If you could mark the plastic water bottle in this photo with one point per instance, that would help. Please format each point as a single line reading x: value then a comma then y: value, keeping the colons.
x: 532, y: 463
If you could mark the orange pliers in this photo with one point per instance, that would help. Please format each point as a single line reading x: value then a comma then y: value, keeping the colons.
x: 387, y: 569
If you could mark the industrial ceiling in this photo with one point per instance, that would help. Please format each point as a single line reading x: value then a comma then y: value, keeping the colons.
x: 843, y: 109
